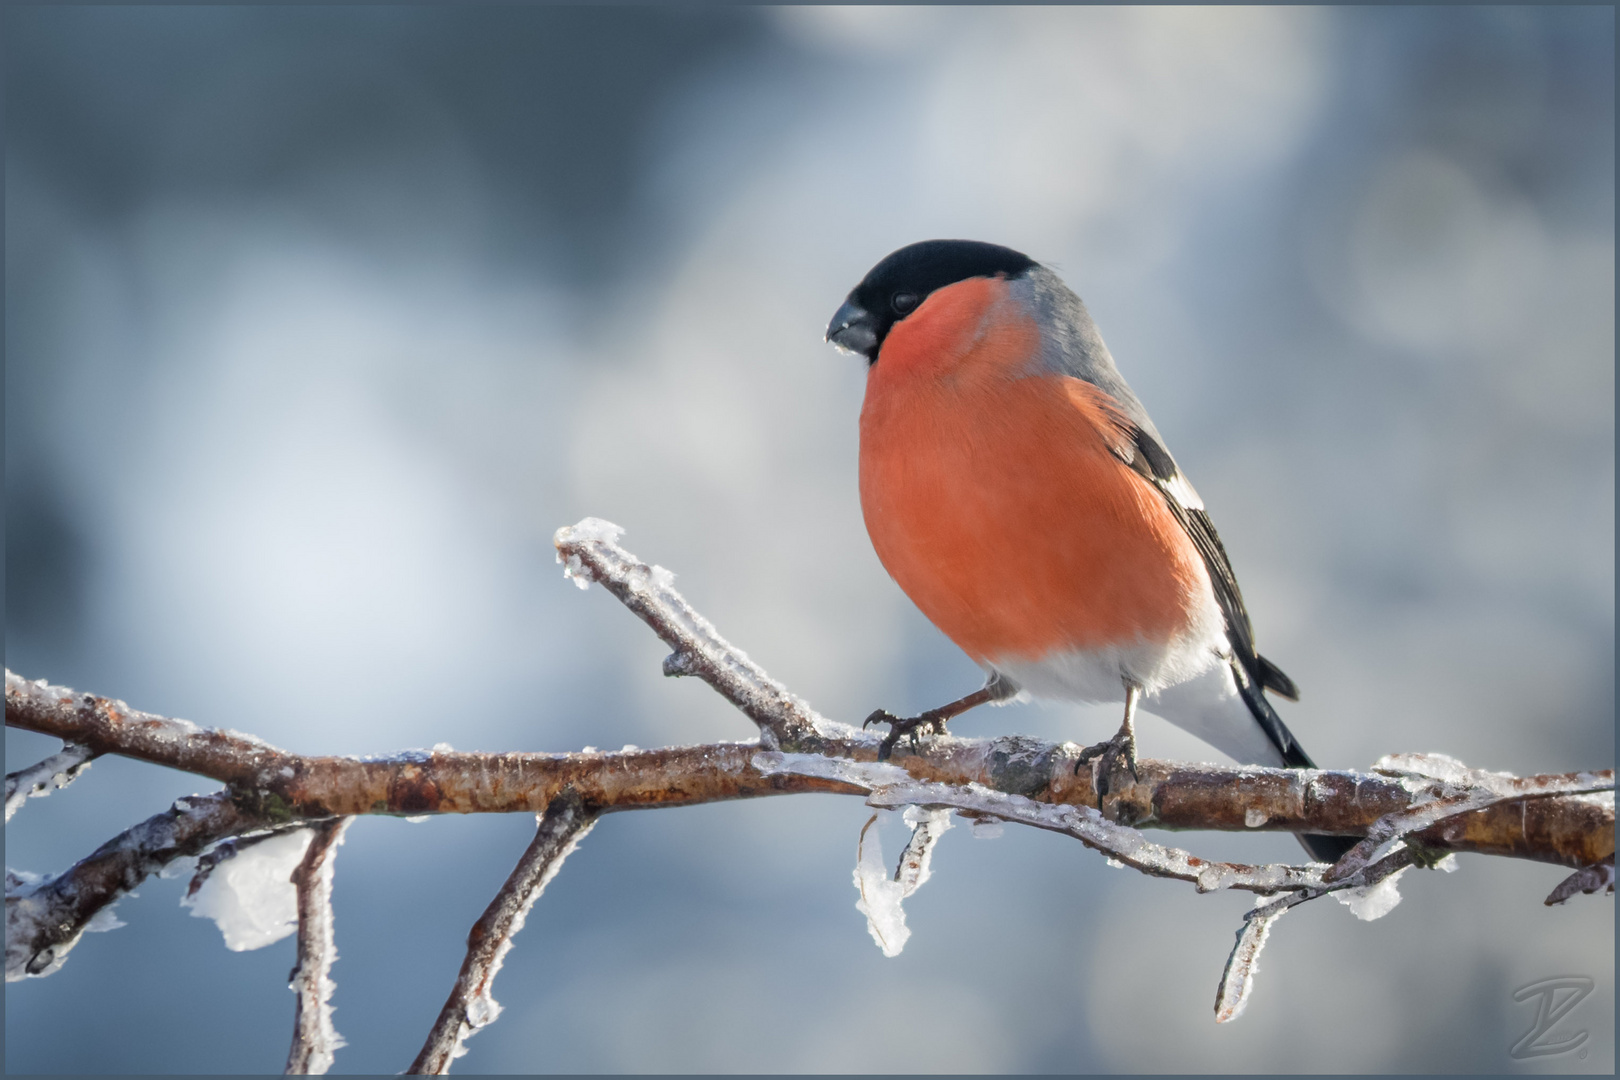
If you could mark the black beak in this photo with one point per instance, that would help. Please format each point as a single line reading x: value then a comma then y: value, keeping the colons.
x: 853, y: 329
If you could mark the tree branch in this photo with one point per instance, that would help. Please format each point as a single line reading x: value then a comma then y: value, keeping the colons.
x: 589, y: 552
x: 281, y: 787
x: 471, y: 1005
x: 45, y: 917
x: 57, y: 771
x: 315, y: 1040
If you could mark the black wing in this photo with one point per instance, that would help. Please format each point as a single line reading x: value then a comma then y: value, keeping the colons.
x: 1254, y: 673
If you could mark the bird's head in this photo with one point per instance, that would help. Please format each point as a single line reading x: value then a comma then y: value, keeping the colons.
x: 898, y: 286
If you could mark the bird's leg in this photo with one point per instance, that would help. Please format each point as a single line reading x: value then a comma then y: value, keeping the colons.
x: 1121, y: 746
x: 997, y: 688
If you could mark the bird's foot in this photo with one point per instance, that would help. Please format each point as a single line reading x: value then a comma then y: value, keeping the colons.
x: 1115, y: 757
x: 931, y: 722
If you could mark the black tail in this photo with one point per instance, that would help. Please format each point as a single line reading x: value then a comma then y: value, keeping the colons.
x: 1322, y: 848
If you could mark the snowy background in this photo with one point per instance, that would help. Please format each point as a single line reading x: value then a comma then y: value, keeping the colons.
x: 320, y: 321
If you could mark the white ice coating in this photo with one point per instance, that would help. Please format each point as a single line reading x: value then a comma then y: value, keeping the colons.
x: 159, y: 729
x: 574, y: 570
x: 1435, y: 766
x: 916, y: 861
x: 251, y: 897
x: 1461, y: 791
x: 56, y: 771
x: 866, y: 774
x: 592, y: 528
x: 986, y: 828
x: 104, y: 920
x: 1237, y: 981
x: 892, y: 786
x: 26, y: 911
x: 603, y: 532
x: 1373, y: 901
x: 1086, y: 824
x: 879, y: 897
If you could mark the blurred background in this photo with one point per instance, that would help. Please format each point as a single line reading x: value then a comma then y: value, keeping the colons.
x: 319, y: 321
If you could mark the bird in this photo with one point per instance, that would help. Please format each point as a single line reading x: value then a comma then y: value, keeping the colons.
x: 1014, y: 487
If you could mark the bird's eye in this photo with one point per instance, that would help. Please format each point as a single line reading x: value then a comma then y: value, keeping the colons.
x: 903, y: 302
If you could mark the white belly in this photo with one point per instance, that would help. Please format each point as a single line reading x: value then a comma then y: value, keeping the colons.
x: 1101, y: 674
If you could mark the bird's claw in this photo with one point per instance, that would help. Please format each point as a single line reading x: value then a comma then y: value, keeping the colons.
x: 1120, y: 750
x: 913, y: 726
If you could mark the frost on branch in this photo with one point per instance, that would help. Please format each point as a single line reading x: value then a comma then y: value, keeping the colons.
x: 590, y: 551
x: 471, y: 1004
x: 1232, y: 996
x: 1373, y: 901
x: 315, y: 1041
x: 1461, y: 790
x: 1369, y: 891
x: 57, y: 771
x: 45, y: 917
x: 880, y: 893
x: 880, y: 896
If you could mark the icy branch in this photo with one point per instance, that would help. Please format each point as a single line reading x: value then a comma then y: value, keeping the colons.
x: 1232, y: 996
x: 280, y: 787
x: 57, y: 771
x: 315, y: 1040
x: 590, y: 552
x: 45, y: 918
x: 1462, y: 790
x: 471, y: 1005
x: 890, y: 788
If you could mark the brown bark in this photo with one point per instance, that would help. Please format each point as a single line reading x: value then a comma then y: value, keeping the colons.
x: 275, y: 785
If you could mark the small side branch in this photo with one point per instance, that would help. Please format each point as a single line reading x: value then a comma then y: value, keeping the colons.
x: 45, y: 918
x: 1464, y: 790
x: 471, y: 1005
x: 315, y: 1040
x: 590, y: 552
x: 57, y: 771
x: 1232, y: 997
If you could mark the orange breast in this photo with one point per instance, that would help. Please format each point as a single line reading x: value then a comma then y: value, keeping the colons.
x: 993, y: 500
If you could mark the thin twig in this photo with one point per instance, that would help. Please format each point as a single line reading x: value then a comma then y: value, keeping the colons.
x: 590, y: 552
x: 914, y: 868
x: 315, y: 1040
x: 471, y: 1005
x: 1237, y: 980
x: 57, y: 771
x: 45, y: 918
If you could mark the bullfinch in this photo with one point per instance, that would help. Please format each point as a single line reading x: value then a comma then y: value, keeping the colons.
x: 1016, y: 490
